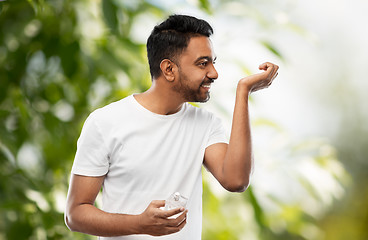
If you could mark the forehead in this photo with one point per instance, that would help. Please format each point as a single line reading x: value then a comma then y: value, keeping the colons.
x: 198, y: 47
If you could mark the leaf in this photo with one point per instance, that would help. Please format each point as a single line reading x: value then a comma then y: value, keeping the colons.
x: 258, y: 212
x: 19, y: 230
x: 272, y: 49
x: 109, y: 13
x: 267, y: 123
x: 205, y: 5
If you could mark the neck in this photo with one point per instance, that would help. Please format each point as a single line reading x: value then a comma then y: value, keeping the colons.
x: 160, y: 100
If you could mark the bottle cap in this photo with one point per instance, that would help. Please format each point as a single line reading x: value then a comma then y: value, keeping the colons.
x: 176, y: 196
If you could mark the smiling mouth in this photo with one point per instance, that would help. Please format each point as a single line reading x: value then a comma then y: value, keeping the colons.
x: 206, y: 86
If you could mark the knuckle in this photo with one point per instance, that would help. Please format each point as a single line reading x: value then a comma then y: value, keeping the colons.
x: 155, y: 214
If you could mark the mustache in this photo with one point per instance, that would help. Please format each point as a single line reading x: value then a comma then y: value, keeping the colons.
x: 208, y: 80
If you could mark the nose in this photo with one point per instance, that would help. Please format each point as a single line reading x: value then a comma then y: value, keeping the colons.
x: 212, y: 74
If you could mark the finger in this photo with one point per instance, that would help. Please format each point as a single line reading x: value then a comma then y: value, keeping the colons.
x: 177, y: 228
x: 275, y: 69
x: 177, y: 221
x: 263, y: 66
x: 273, y: 73
x: 269, y: 67
x: 183, y: 222
x: 158, y: 203
x: 275, y: 76
x: 271, y: 80
x: 266, y: 66
x: 169, y: 213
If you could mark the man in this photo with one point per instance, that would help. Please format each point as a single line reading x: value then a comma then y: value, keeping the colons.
x: 147, y: 146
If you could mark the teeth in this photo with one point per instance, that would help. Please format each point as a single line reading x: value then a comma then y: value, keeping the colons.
x: 206, y: 85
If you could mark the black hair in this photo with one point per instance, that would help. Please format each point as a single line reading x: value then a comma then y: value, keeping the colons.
x: 170, y: 38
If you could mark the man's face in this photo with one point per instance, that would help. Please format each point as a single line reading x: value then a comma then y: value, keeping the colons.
x: 196, y: 70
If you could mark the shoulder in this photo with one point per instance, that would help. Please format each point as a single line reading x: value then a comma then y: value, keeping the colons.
x: 110, y: 112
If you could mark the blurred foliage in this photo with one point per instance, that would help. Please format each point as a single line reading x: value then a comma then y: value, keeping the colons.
x: 348, y: 219
x: 294, y: 185
x: 59, y: 60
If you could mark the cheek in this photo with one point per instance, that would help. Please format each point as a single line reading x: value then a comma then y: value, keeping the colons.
x: 197, y: 76
x: 192, y: 77
x: 201, y: 79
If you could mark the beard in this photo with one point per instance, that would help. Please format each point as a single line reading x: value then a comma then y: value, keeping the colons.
x: 191, y: 93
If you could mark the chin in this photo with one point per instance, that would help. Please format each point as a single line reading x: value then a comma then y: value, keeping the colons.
x: 200, y: 98
x: 203, y: 100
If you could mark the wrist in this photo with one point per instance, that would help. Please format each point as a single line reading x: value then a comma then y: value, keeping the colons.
x: 243, y: 90
x: 138, y: 226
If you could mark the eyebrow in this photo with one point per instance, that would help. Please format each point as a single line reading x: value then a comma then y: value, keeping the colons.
x: 206, y: 58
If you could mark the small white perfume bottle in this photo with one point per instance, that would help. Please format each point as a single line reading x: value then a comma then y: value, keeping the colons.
x: 176, y: 200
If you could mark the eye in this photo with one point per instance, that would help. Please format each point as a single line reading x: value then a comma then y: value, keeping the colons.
x: 203, y: 63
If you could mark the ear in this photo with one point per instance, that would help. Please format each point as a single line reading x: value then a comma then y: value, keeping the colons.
x: 168, y: 69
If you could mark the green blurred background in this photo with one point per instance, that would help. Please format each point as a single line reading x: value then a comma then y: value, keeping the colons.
x: 60, y: 60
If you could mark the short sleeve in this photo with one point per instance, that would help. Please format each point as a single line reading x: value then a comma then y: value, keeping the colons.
x: 91, y: 158
x: 217, y: 132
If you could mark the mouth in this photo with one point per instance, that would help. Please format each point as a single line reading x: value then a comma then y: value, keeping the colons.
x: 206, y: 85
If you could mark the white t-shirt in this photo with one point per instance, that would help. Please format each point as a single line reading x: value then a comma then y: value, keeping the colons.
x: 146, y: 157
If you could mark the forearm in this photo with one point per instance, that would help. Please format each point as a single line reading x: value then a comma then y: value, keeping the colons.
x: 238, y: 162
x: 232, y: 164
x: 86, y: 218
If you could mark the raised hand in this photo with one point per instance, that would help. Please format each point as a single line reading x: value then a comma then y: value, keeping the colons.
x: 261, y: 80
